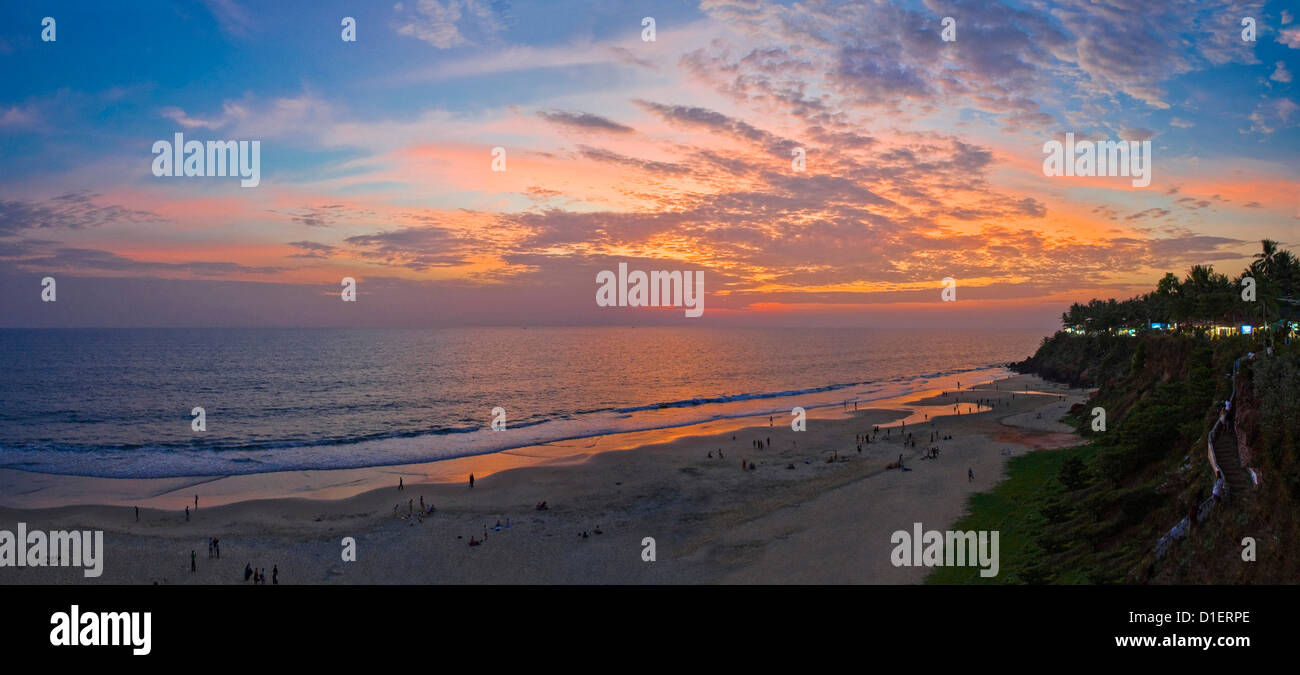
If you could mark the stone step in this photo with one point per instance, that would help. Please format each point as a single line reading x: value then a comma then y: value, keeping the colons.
x: 1225, y: 454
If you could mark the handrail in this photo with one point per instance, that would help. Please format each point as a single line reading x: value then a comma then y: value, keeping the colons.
x: 1223, y: 413
x: 1214, y: 464
x: 1202, y: 511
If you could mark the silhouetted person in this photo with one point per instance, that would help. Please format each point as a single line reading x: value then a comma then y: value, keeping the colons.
x: 471, y: 480
x: 194, y: 557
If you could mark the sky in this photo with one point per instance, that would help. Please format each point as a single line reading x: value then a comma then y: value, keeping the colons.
x: 923, y: 158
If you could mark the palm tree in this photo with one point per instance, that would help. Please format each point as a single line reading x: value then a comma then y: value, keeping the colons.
x: 1264, y: 260
x: 1270, y: 269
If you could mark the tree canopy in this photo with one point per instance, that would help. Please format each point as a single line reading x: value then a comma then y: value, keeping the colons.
x: 1203, y: 297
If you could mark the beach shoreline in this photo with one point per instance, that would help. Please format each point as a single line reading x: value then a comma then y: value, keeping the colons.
x: 23, y: 489
x: 813, y: 509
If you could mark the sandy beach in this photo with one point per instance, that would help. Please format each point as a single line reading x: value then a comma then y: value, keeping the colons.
x: 812, y: 510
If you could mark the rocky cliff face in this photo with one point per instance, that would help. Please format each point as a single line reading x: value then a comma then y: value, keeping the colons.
x: 1246, y: 421
x: 1161, y: 394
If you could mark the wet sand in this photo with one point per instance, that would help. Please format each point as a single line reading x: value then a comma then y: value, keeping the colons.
x: 711, y: 521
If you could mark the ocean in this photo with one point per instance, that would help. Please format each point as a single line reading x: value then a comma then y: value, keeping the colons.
x: 118, y: 402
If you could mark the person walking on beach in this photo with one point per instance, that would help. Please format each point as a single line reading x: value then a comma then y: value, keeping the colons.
x: 471, y: 480
x: 216, y: 547
x: 209, y: 547
x: 196, y: 502
x: 970, y: 475
x: 194, y: 557
x: 137, y: 514
x: 248, y: 571
x: 275, y: 575
x: 187, y: 513
x: 400, y: 486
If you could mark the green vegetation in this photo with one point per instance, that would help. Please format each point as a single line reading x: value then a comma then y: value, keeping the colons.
x: 1020, y: 508
x: 1202, y: 298
x: 1094, y: 513
x: 1081, y: 360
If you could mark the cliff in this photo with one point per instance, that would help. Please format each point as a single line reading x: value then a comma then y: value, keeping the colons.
x: 1099, y: 521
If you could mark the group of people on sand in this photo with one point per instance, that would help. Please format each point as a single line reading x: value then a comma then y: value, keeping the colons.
x: 496, y: 528
x: 259, y: 575
x: 214, y: 551
x: 425, y: 510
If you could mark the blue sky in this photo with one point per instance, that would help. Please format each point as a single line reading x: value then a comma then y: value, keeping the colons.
x: 923, y: 155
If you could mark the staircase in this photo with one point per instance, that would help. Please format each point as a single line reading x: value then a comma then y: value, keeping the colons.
x: 1226, y: 463
x: 1225, y: 455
